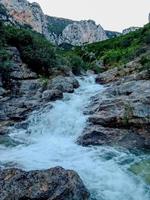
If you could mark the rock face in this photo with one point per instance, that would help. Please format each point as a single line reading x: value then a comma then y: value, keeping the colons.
x: 64, y: 84
x: 57, y: 30
x: 52, y: 184
x: 121, y: 115
x: 128, y: 30
x: 27, y: 14
x: 83, y: 32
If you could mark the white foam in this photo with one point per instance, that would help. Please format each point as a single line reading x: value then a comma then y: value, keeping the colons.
x: 50, y: 142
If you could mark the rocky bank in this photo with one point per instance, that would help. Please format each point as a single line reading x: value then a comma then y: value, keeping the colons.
x: 22, y: 91
x: 120, y: 115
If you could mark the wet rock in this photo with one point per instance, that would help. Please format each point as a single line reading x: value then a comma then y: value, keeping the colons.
x: 29, y: 87
x: 25, y: 92
x: 99, y: 135
x: 2, y: 91
x: 52, y: 184
x: 52, y: 95
x: 121, y: 114
x: 64, y: 84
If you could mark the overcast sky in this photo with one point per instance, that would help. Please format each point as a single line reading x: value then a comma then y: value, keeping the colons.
x: 111, y: 14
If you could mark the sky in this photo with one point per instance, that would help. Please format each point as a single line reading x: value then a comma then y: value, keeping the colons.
x: 114, y: 15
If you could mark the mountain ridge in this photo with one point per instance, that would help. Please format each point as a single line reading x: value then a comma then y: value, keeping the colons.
x: 56, y: 30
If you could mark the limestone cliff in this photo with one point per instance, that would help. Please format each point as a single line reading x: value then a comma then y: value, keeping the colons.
x: 57, y: 30
x: 26, y: 13
x: 82, y: 32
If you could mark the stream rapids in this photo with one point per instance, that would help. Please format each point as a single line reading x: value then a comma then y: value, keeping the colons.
x: 50, y: 140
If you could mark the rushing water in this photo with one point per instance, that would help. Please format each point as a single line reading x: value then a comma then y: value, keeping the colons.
x: 50, y: 140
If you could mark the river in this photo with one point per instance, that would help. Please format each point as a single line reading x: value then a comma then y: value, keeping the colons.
x: 50, y: 140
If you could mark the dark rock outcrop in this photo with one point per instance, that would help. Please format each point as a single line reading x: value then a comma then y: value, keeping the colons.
x: 52, y: 184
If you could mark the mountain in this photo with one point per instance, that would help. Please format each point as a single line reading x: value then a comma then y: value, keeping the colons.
x: 56, y: 30
x: 26, y: 13
x: 130, y: 29
x: 82, y: 32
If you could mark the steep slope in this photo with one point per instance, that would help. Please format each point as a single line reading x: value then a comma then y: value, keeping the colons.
x: 116, y: 51
x: 27, y: 14
x: 130, y: 29
x: 83, y: 32
x: 56, y: 30
x: 121, y: 116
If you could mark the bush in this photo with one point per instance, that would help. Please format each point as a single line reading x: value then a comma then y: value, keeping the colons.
x: 5, y: 67
x: 147, y: 38
x: 119, y: 50
x: 77, y: 64
x: 35, y: 50
x: 2, y: 35
x: 145, y: 62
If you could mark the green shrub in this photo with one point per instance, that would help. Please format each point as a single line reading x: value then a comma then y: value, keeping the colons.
x: 77, y: 64
x: 5, y: 67
x: 145, y: 62
x: 119, y: 50
x: 35, y: 50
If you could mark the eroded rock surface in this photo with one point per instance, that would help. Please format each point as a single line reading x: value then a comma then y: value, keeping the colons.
x: 121, y: 114
x: 52, y: 184
x: 82, y: 32
x: 22, y: 91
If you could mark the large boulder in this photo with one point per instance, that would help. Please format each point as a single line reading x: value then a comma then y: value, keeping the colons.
x: 52, y: 184
x: 64, y: 84
x: 52, y: 95
x: 99, y: 135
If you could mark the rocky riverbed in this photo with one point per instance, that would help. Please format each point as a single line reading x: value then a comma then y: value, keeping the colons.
x: 28, y: 91
x: 48, y: 139
x: 109, y: 115
x: 121, y: 115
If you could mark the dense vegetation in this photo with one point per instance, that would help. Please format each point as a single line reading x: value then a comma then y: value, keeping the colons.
x: 42, y: 57
x: 3, y: 10
x: 116, y: 51
x: 36, y: 51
